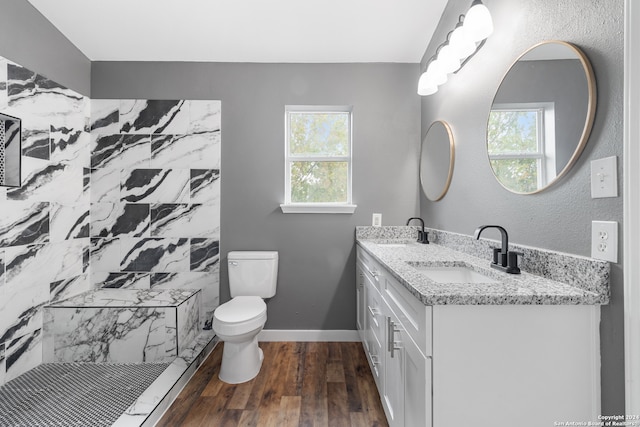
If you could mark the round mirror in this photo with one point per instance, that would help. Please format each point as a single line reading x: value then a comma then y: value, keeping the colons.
x: 436, y: 161
x: 541, y: 117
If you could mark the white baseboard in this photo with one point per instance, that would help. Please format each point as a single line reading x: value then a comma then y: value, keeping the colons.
x: 307, y: 335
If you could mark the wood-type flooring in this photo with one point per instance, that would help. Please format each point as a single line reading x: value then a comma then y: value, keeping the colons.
x: 300, y: 384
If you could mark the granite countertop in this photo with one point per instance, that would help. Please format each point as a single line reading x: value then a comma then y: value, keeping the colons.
x: 522, y: 288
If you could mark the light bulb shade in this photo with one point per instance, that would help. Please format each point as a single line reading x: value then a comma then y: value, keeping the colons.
x: 461, y: 45
x: 449, y: 61
x: 478, y: 23
x: 426, y: 87
x: 436, y: 74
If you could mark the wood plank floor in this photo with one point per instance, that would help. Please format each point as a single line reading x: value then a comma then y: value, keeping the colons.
x: 300, y: 384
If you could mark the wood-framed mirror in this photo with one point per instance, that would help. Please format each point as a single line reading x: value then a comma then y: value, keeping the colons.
x: 541, y: 117
x: 437, y: 155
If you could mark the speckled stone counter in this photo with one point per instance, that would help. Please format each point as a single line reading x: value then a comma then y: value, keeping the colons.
x: 547, y: 278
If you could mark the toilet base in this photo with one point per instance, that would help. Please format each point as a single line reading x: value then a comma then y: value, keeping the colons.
x: 241, y: 361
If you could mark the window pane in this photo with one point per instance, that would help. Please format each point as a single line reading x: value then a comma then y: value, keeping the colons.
x: 319, y: 182
x: 512, y: 132
x: 519, y: 175
x: 319, y: 134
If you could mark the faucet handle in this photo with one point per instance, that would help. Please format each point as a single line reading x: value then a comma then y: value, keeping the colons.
x: 512, y: 266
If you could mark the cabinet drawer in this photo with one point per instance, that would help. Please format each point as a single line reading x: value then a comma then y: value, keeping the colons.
x: 371, y: 267
x: 415, y: 317
x: 375, y: 317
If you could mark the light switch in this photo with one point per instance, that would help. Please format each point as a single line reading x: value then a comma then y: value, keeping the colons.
x: 376, y: 220
x: 604, y: 177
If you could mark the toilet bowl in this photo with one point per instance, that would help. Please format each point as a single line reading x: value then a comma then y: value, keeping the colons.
x: 238, y: 323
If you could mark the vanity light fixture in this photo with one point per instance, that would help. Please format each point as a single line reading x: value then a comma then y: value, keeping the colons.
x: 461, y: 44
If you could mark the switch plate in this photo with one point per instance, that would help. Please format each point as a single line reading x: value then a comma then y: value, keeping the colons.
x: 604, y: 240
x: 604, y: 177
x: 376, y: 220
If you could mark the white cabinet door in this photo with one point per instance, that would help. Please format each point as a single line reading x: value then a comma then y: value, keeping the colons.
x: 394, y: 369
x: 417, y: 384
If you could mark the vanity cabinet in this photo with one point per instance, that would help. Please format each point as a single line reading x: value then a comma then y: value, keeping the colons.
x: 400, y: 368
x: 484, y: 365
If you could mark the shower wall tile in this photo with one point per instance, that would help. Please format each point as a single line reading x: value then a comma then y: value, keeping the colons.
x: 121, y: 280
x: 105, y: 116
x: 23, y: 354
x: 105, y: 255
x: 44, y: 224
x: 4, y: 101
x: 69, y: 145
x: 3, y: 365
x: 48, y: 181
x: 205, y: 254
x: 205, y: 186
x: 116, y: 219
x: 185, y: 220
x: 200, y: 150
x: 67, y: 288
x: 167, y: 255
x: 117, y: 151
x: 155, y: 186
x: 154, y: 116
x: 35, y: 142
x: 204, y: 116
x: 68, y: 221
x: 105, y: 185
x: 23, y: 223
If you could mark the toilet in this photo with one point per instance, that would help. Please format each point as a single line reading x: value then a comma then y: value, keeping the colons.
x: 252, y: 277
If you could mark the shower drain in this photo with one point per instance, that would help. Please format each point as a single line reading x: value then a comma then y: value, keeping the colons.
x: 74, y: 394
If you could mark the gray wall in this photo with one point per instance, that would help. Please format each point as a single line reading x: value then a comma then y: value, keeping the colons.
x: 316, y: 284
x: 29, y: 39
x: 560, y: 217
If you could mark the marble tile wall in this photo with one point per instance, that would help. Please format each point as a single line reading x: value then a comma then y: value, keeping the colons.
x: 114, y: 194
x: 155, y: 196
x: 44, y: 223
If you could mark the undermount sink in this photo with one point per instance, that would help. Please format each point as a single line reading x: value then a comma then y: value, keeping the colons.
x: 454, y: 274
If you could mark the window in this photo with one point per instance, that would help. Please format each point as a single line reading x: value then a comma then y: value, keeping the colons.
x: 317, y: 159
x: 521, y: 145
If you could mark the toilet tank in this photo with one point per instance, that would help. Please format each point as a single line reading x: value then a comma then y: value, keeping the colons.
x: 253, y: 273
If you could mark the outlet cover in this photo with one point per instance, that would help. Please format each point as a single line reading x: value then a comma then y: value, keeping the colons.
x: 376, y: 220
x: 604, y: 178
x: 604, y: 240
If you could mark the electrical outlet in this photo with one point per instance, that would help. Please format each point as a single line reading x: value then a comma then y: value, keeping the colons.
x: 376, y: 220
x: 604, y: 240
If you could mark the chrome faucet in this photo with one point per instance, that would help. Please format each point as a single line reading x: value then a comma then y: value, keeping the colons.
x: 503, y: 258
x: 423, y: 236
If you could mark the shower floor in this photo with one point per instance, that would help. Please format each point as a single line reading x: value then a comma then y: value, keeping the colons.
x: 74, y: 394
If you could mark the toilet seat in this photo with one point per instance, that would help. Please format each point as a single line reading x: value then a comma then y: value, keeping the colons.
x: 240, y: 315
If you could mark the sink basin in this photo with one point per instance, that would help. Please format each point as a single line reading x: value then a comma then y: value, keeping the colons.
x: 454, y: 275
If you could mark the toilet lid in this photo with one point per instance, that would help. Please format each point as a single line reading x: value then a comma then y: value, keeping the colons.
x: 241, y: 309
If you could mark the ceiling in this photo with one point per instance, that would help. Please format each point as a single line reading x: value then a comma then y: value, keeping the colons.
x: 247, y: 30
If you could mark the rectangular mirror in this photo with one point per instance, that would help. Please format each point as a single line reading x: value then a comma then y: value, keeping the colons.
x: 10, y: 150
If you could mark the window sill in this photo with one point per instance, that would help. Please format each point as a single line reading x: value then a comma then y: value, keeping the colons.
x: 315, y: 208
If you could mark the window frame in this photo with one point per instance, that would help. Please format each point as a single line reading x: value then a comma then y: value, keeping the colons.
x: 545, y: 124
x: 316, y: 207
